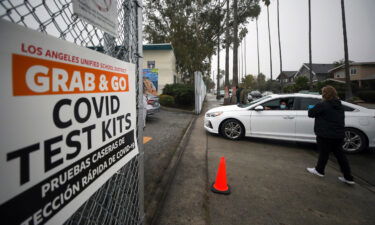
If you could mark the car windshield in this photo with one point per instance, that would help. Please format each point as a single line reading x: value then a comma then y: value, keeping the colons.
x: 255, y: 101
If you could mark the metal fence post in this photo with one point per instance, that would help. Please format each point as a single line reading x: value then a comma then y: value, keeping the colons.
x: 140, y: 110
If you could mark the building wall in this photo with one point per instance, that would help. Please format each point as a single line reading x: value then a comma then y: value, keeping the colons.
x: 165, y: 62
x: 362, y: 73
x: 368, y: 71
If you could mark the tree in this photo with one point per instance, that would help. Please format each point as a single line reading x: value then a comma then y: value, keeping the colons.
x: 278, y: 29
x: 301, y: 83
x: 235, y: 44
x: 267, y: 3
x: 249, y: 82
x: 227, y: 45
x: 245, y: 9
x: 272, y: 85
x: 340, y: 62
x: 348, y: 91
x: 184, y: 24
x: 310, y: 56
x: 218, y: 58
x: 261, y: 82
x: 258, y: 45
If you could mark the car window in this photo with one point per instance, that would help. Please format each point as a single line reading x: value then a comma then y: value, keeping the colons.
x: 307, y: 103
x: 254, y: 101
x: 275, y: 104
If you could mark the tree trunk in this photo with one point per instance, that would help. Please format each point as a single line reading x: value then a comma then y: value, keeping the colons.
x: 310, y: 55
x: 278, y: 29
x: 245, y: 57
x: 218, y: 67
x: 269, y: 39
x: 235, y: 44
x: 227, y: 45
x: 348, y: 91
x: 258, y: 45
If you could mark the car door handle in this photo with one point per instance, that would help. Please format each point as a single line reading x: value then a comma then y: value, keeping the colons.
x: 286, y: 117
x: 291, y: 117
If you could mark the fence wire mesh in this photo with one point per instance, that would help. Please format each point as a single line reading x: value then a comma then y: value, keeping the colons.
x: 120, y: 200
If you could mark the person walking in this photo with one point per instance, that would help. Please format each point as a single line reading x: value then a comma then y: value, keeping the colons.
x: 329, y: 129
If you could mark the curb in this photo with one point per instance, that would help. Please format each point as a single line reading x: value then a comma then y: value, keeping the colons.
x: 160, y: 195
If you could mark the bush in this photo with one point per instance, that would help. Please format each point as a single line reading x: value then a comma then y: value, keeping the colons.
x: 166, y: 100
x: 289, y: 89
x: 367, y: 96
x: 182, y: 93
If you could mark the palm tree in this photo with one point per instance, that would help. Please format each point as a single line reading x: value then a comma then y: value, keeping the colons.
x: 227, y: 46
x: 258, y: 45
x: 235, y: 44
x: 310, y: 57
x: 278, y: 29
x: 267, y: 3
x: 218, y: 58
x: 348, y: 91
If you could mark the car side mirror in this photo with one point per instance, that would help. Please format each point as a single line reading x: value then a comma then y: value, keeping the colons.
x: 259, y: 108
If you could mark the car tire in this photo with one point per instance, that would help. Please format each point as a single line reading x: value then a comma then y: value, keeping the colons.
x: 354, y: 141
x: 232, y: 129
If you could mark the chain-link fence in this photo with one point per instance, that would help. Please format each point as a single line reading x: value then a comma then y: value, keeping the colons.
x: 120, y: 199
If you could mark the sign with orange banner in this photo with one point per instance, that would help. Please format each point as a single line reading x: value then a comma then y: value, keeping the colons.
x: 68, y: 123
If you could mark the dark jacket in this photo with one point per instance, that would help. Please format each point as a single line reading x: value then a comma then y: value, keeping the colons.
x: 238, y: 94
x: 329, y: 119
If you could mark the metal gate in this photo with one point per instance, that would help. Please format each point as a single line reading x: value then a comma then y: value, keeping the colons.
x: 120, y: 199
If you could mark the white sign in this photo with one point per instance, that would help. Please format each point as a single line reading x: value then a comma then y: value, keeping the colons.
x: 68, y: 123
x: 100, y: 13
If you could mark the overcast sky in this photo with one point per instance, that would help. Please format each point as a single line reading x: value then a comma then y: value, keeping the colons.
x: 327, y: 36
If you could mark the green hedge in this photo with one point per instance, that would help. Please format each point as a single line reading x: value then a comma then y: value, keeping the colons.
x: 182, y: 93
x: 166, y: 100
x: 367, y: 96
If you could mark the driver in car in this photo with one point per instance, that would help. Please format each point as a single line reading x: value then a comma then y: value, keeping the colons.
x: 282, y: 106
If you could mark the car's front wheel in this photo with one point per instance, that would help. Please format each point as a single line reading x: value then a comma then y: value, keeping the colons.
x: 232, y: 129
x: 354, y: 141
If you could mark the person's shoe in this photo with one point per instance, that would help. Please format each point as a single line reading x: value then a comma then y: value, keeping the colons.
x: 313, y: 171
x: 342, y: 179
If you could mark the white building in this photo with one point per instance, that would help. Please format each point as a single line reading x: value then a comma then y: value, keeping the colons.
x: 161, y: 57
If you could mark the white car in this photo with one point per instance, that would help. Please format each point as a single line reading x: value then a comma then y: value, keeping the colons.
x: 264, y: 119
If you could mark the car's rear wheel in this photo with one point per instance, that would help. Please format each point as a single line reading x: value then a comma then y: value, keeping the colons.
x: 354, y: 141
x: 232, y: 129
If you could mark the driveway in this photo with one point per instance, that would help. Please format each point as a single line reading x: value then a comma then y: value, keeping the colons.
x: 163, y: 133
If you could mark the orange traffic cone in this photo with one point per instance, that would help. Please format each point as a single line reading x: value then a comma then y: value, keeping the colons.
x: 220, y: 186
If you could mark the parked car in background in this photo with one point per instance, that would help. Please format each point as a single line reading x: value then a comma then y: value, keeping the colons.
x: 264, y: 118
x: 153, y: 105
x: 255, y: 94
x: 249, y: 97
x: 267, y: 93
x: 222, y: 93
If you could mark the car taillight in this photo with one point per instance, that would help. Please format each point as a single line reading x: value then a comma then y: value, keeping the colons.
x: 150, y: 102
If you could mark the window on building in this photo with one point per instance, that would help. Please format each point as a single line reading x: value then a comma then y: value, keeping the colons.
x: 151, y: 64
x: 353, y: 71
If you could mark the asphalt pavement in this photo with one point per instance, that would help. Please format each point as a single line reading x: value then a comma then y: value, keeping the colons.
x: 269, y: 184
x: 163, y: 133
